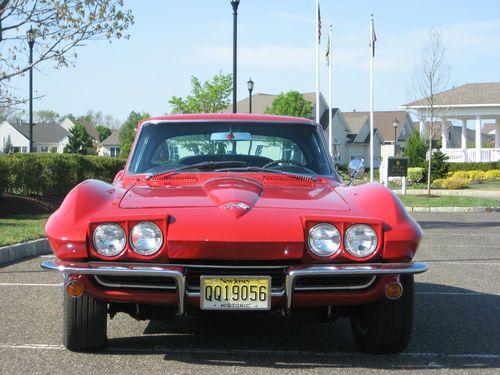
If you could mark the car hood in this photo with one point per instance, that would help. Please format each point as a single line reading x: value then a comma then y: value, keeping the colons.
x: 236, y: 195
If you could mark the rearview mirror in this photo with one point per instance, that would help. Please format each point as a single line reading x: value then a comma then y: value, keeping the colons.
x: 231, y: 136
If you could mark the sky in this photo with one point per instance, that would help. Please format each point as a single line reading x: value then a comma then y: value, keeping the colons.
x: 173, y: 40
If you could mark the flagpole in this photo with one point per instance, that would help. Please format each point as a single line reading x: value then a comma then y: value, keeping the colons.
x: 317, y: 60
x: 372, y: 45
x: 330, y: 85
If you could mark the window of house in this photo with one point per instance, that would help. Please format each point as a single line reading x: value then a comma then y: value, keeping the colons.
x: 24, y: 149
x: 114, y: 152
x: 45, y: 148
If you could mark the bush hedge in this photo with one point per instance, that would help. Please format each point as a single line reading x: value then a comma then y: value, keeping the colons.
x: 455, y: 167
x: 415, y: 175
x: 53, y: 174
x: 477, y: 176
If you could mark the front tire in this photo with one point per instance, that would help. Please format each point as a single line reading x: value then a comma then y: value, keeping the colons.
x: 384, y: 327
x: 85, y: 324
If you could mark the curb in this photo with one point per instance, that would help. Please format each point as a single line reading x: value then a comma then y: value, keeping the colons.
x: 453, y: 209
x: 19, y: 251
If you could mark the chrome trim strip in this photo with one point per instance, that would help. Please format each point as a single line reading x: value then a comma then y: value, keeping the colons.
x: 284, y: 267
x: 349, y: 269
x: 131, y: 285
x: 342, y: 287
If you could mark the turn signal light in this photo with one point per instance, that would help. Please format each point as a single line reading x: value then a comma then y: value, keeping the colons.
x: 393, y: 290
x: 74, y: 289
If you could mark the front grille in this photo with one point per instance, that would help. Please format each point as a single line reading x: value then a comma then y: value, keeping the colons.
x: 136, y: 282
x: 193, y: 275
x: 309, y: 283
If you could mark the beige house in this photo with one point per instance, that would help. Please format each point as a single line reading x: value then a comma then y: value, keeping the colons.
x: 110, y: 146
x: 46, y: 137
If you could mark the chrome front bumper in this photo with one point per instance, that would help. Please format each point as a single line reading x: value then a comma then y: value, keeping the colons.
x: 176, y: 272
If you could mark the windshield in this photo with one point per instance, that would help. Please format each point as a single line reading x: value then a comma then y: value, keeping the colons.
x: 295, y: 148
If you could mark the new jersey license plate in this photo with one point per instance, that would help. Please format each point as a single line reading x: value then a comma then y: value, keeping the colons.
x: 235, y: 292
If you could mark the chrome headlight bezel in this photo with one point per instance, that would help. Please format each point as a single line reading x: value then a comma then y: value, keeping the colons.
x: 319, y: 237
x: 109, y: 229
x: 155, y: 234
x: 368, y: 240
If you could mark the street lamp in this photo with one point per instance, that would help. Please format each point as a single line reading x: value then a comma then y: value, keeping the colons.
x: 235, y: 4
x: 30, y: 34
x: 395, y: 124
x: 250, y: 89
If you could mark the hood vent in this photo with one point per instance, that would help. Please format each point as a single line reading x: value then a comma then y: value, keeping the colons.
x: 290, y: 180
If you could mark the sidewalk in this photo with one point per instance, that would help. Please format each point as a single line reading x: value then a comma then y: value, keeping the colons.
x: 476, y: 193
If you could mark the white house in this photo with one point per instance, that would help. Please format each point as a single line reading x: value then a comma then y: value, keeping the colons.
x: 110, y: 146
x: 46, y: 137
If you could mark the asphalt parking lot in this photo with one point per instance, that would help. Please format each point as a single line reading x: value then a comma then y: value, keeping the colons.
x: 456, y: 328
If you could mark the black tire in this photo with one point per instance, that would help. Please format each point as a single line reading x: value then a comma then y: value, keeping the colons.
x: 384, y: 327
x: 85, y: 324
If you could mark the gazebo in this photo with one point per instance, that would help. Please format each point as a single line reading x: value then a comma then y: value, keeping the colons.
x: 475, y: 102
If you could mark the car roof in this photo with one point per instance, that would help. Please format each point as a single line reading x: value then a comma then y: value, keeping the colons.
x: 227, y: 117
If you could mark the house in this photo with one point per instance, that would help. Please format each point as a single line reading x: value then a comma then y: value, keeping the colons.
x: 46, y: 137
x: 110, y: 146
x: 67, y: 124
x: 477, y: 103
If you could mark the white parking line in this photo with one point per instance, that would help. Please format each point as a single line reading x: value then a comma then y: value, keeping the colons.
x: 166, y: 349
x: 458, y: 293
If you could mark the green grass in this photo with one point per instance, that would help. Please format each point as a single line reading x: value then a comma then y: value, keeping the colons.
x: 21, y: 228
x: 446, y: 201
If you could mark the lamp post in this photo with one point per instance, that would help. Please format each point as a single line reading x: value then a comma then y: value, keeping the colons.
x: 30, y: 34
x: 235, y: 4
x: 250, y: 89
x: 395, y: 124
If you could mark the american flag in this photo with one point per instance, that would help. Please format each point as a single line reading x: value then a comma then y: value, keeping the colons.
x: 319, y: 25
x: 373, y: 39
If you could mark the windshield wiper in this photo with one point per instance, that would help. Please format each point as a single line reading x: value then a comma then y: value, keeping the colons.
x: 202, y: 165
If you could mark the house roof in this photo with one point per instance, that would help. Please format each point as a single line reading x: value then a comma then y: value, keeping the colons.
x: 382, y: 121
x: 261, y: 101
x: 43, y: 132
x: 112, y: 140
x: 487, y: 93
x: 89, y: 128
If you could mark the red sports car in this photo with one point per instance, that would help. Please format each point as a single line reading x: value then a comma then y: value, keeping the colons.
x: 230, y: 213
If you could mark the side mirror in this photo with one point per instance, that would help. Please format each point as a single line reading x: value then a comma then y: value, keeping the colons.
x: 119, y: 175
x: 356, y: 169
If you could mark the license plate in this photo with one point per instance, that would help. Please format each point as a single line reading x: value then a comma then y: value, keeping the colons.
x: 235, y: 292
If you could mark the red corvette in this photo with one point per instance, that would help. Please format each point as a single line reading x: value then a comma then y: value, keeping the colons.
x: 232, y: 213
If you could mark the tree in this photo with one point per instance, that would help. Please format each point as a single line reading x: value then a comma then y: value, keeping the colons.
x: 210, y: 97
x: 126, y: 134
x: 79, y: 142
x: 439, y: 167
x: 290, y: 104
x: 430, y: 78
x: 60, y: 27
x: 104, y: 132
x: 46, y: 116
x: 415, y: 149
x: 8, y: 148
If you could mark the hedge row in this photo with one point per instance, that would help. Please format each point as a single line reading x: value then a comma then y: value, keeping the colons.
x: 53, y: 174
x: 455, y: 167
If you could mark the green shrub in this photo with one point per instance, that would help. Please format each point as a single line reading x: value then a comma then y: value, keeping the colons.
x: 415, y: 175
x: 54, y: 174
x: 454, y: 167
x: 4, y: 174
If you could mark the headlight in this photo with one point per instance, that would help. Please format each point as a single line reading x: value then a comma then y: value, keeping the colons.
x: 146, y: 238
x: 324, y: 240
x: 109, y: 239
x: 360, y: 240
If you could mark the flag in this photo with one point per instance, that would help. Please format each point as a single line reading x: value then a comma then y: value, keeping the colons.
x: 328, y: 52
x: 373, y: 39
x: 319, y: 25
